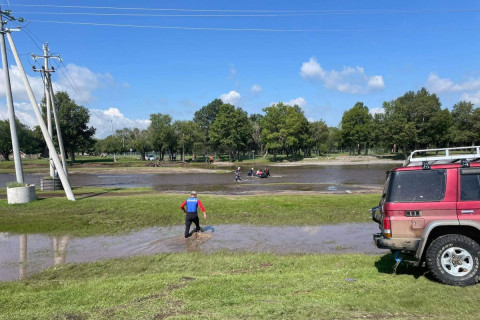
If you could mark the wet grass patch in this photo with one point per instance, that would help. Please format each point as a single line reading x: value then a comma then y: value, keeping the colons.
x: 236, y: 286
x: 120, y: 214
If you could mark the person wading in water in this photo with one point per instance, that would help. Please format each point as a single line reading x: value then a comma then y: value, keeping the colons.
x: 191, y: 205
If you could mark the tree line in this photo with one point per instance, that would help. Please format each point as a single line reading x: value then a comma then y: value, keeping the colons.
x: 412, y: 121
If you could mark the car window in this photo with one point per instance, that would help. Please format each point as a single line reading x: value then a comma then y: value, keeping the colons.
x: 416, y: 186
x: 470, y: 185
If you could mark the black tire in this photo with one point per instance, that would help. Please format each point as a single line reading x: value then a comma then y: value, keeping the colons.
x: 454, y: 259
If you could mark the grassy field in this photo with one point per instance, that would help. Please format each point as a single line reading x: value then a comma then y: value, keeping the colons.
x: 236, y: 286
x: 133, y: 209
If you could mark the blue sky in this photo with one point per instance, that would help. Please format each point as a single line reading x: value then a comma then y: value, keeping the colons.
x: 323, y: 55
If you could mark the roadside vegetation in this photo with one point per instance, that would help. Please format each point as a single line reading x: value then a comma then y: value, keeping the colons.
x: 236, y: 286
x: 96, y: 214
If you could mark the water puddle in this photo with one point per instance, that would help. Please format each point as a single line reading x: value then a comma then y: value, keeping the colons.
x: 23, y: 255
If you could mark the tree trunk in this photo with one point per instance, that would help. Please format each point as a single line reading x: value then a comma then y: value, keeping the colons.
x: 5, y: 156
x: 72, y: 156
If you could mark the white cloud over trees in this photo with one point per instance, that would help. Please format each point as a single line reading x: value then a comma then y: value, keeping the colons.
x: 233, y: 97
x: 470, y: 88
x: 352, y: 80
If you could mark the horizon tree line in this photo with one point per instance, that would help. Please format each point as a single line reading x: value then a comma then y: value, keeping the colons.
x: 412, y: 121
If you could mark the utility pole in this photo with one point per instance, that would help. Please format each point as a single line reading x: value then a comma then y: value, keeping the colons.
x: 49, y: 98
x: 8, y: 91
x: 43, y: 127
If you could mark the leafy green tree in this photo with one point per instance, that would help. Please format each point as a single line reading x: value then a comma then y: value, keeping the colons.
x: 73, y: 121
x: 205, y: 117
x: 5, y: 139
x: 28, y: 142
x: 187, y: 133
x: 476, y: 126
x: 284, y: 128
x: 357, y: 127
x: 334, y: 140
x: 298, y: 131
x: 139, y: 141
x: 161, y: 132
x: 416, y: 121
x: 319, y: 136
x: 442, y: 132
x: 111, y: 144
x: 378, y: 130
x: 231, y: 130
x: 399, y: 131
x: 463, y: 122
x: 256, y: 143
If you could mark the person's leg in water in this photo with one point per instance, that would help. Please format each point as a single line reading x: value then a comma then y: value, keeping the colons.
x: 197, y: 224
x: 188, y: 223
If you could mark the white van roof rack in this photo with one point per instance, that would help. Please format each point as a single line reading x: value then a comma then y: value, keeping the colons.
x: 443, y: 156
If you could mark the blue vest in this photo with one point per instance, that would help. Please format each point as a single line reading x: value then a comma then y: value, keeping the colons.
x: 192, y: 204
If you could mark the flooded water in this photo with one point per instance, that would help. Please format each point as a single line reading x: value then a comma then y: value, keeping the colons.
x: 23, y: 255
x: 306, y: 178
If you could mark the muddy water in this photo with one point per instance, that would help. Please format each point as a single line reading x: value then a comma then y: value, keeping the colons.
x: 23, y: 255
x: 306, y: 178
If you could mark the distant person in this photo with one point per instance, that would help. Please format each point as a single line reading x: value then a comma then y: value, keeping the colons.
x: 237, y: 175
x: 190, y: 207
x: 210, y: 158
x: 266, y: 172
x: 251, y: 172
x: 194, y: 157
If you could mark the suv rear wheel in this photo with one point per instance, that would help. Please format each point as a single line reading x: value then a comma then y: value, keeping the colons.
x: 454, y: 260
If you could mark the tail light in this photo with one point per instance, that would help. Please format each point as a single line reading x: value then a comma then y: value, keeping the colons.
x: 386, y: 227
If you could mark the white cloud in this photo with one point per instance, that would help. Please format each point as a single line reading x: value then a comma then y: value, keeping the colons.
x: 233, y: 97
x: 439, y: 85
x: 374, y: 111
x: 103, y: 120
x: 472, y: 97
x: 300, y: 101
x: 256, y: 89
x: 23, y: 111
x: 470, y: 88
x: 80, y: 89
x: 348, y: 80
x: 83, y: 84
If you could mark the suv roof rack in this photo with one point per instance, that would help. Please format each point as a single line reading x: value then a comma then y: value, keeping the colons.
x: 446, y: 157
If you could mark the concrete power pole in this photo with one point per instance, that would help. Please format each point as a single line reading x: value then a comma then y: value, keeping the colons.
x: 48, y: 99
x: 43, y: 127
x: 11, y: 110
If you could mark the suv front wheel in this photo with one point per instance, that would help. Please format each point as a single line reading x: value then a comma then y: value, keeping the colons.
x: 454, y: 260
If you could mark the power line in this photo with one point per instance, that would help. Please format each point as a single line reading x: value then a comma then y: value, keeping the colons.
x: 245, y: 29
x: 356, y: 11
x: 260, y: 15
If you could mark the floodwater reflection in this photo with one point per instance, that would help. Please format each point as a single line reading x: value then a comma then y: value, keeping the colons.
x: 46, y: 251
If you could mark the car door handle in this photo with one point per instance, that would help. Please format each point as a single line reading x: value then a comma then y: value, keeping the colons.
x: 467, y: 211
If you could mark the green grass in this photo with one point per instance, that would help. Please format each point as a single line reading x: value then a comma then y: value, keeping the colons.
x: 236, y: 286
x: 117, y: 214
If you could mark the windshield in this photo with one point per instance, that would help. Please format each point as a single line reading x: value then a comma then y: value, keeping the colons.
x: 416, y: 186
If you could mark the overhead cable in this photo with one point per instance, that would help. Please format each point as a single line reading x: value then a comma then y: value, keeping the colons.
x: 245, y: 29
x: 353, y: 11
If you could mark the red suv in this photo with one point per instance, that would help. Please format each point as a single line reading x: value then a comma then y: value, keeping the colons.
x: 430, y: 209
